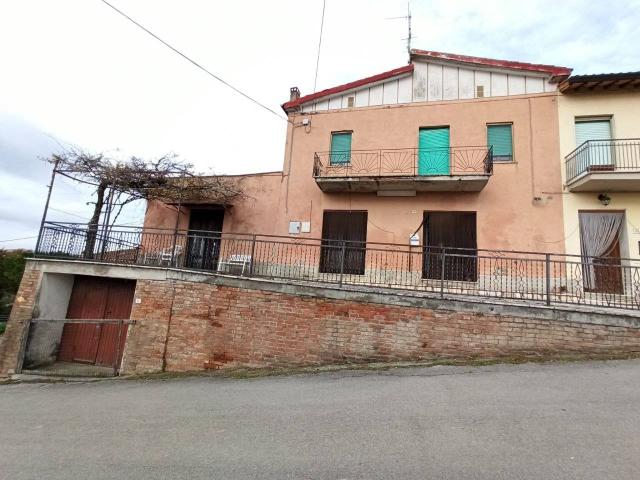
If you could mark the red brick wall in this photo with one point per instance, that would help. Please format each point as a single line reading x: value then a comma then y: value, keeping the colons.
x: 17, y: 325
x: 213, y: 326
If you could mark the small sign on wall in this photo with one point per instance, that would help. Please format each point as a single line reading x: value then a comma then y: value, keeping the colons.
x: 295, y: 227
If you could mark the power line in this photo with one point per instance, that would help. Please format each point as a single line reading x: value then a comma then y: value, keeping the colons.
x: 315, y: 80
x: 68, y: 213
x: 16, y: 239
x: 237, y: 90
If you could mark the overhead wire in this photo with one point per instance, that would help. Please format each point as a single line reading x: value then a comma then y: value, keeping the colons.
x: 196, y: 64
x: 315, y: 80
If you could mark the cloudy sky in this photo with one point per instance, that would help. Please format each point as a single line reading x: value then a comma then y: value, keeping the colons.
x: 76, y: 73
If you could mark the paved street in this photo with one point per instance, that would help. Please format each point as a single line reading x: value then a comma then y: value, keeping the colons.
x: 556, y: 421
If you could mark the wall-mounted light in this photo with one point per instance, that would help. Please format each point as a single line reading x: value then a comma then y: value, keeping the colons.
x: 604, y: 199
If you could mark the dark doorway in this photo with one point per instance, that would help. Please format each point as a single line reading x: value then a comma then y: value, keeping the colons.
x: 97, y: 298
x: 204, y: 237
x: 600, y: 244
x: 455, y: 234
x: 343, y: 228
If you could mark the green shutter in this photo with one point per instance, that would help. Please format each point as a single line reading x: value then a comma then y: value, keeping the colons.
x: 340, y: 148
x: 501, y: 139
x: 433, y: 151
x: 592, y: 130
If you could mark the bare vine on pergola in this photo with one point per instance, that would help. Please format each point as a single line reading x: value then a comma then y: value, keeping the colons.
x: 120, y: 182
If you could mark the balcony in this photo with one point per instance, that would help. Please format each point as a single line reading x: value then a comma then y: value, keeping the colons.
x: 404, y: 171
x: 604, y: 166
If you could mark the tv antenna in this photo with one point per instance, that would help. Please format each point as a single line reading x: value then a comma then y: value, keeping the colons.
x: 406, y: 17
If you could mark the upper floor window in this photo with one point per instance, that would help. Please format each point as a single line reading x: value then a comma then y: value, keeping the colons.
x: 340, y: 147
x: 592, y: 128
x: 500, y: 137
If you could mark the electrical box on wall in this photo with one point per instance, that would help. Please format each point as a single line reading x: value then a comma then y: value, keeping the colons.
x: 295, y: 227
x: 305, y: 227
x: 414, y: 240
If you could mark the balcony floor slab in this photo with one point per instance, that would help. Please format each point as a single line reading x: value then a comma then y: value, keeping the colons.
x: 365, y: 184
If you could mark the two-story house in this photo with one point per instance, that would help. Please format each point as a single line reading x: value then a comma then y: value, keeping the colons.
x: 449, y: 150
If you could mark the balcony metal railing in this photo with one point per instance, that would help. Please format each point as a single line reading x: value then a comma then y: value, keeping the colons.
x: 404, y: 162
x: 596, y: 156
x: 543, y: 278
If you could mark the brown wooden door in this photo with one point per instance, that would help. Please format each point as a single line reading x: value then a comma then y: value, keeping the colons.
x: 79, y: 342
x: 455, y: 234
x: 607, y: 271
x: 113, y: 336
x: 96, y: 298
x: 343, y: 228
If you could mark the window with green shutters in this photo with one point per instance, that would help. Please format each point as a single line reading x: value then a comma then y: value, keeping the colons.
x: 340, y: 148
x: 500, y: 137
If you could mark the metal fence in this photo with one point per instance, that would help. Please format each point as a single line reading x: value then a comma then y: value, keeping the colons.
x: 597, y: 156
x: 404, y: 162
x: 544, y: 278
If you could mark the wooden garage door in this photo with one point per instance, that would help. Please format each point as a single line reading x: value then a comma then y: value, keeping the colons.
x: 95, y: 298
x: 348, y: 228
x: 455, y: 233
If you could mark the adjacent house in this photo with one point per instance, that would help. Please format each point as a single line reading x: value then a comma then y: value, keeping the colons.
x: 599, y: 130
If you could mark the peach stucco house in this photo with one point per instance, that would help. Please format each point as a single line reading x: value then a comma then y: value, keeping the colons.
x: 448, y: 150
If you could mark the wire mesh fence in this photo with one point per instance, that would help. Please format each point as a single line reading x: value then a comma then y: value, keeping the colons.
x: 545, y: 278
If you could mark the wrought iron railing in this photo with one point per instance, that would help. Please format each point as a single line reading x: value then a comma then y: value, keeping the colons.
x: 404, y: 162
x: 544, y: 278
x: 596, y: 156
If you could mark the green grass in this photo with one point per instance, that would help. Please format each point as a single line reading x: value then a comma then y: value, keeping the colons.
x: 3, y: 326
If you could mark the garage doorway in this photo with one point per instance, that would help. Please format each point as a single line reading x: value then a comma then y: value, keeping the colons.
x: 346, y: 228
x: 95, y: 341
x: 453, y: 233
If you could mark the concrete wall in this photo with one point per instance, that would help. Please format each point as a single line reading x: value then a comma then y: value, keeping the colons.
x: 44, y: 337
x: 624, y: 108
x: 253, y: 212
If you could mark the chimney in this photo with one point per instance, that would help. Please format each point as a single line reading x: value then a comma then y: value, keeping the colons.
x: 294, y: 94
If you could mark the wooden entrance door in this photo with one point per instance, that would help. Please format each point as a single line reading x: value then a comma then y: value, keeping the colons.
x: 96, y: 298
x: 607, y: 271
x: 204, y: 237
x: 455, y: 233
x: 348, y: 228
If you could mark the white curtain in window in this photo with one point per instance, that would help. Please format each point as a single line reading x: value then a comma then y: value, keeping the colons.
x: 598, y: 232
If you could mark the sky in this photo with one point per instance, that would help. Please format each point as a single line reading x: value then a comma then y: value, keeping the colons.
x: 75, y: 73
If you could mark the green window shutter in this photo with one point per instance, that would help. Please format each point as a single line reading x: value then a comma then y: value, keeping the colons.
x: 501, y: 139
x: 592, y: 130
x: 340, y: 148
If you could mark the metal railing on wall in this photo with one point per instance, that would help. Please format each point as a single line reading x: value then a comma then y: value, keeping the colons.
x: 404, y: 162
x: 596, y: 156
x: 541, y: 278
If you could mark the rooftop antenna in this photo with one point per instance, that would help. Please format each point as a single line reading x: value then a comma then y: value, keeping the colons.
x: 406, y: 17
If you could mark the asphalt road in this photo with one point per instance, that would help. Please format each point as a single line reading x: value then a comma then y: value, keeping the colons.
x: 555, y: 421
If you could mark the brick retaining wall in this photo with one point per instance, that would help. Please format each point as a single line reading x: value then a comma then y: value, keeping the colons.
x: 187, y: 321
x: 217, y: 326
